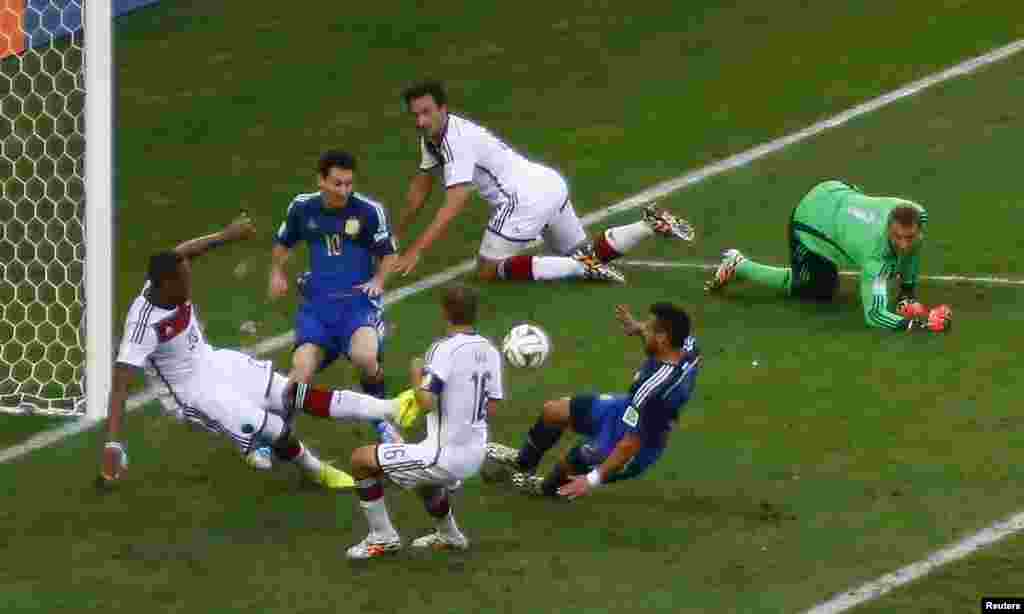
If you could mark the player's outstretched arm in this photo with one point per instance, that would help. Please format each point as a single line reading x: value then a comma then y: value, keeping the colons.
x: 581, y: 485
x: 241, y: 228
x: 455, y: 201
x: 419, y: 191
x: 114, y: 454
x: 278, y: 274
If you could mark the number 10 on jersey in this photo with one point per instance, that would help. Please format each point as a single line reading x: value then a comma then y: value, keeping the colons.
x: 333, y: 242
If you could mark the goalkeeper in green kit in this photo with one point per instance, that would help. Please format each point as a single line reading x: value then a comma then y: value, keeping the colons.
x: 837, y: 225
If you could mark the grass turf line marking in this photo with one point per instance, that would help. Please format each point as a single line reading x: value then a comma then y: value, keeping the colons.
x: 664, y: 264
x: 655, y: 192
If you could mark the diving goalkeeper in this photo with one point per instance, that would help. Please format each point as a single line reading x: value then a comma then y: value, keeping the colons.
x: 837, y: 225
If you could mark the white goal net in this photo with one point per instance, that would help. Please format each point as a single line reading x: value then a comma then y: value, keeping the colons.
x: 42, y: 208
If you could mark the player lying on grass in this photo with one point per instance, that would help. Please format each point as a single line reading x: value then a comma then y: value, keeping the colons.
x: 460, y: 384
x: 528, y: 201
x: 351, y: 253
x: 223, y: 391
x: 625, y: 434
x: 837, y: 225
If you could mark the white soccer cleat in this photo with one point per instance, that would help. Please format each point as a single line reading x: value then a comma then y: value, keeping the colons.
x: 664, y: 223
x: 503, y: 455
x: 726, y: 271
x: 437, y: 541
x: 374, y: 546
x: 594, y: 269
x: 528, y: 483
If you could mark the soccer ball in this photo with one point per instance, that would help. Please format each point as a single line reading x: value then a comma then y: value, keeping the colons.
x: 526, y: 346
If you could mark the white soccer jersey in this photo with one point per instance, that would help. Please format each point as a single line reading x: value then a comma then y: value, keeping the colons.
x: 464, y: 371
x: 469, y: 153
x: 168, y: 343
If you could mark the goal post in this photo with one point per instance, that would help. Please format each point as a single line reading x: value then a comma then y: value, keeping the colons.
x: 56, y: 206
x: 99, y: 204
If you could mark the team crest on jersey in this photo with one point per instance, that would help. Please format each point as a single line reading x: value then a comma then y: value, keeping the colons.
x: 352, y: 226
x: 311, y: 224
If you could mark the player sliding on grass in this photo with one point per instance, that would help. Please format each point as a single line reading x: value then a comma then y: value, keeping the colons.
x: 223, y: 391
x: 837, y: 225
x: 626, y: 434
x: 528, y: 201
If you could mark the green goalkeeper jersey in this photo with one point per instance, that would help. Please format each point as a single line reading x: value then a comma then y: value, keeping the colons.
x: 850, y: 228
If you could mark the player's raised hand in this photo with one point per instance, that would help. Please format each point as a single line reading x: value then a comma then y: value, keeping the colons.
x: 240, y: 228
x: 407, y: 262
x: 629, y: 324
x: 278, y: 284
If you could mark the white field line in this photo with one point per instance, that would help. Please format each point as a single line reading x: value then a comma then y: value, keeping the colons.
x: 663, y: 264
x: 657, y: 191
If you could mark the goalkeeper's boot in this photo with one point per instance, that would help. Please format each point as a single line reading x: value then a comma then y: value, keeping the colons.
x: 528, y: 483
x: 409, y: 409
x: 594, y: 269
x: 726, y: 271
x: 333, y: 478
x: 440, y: 541
x: 374, y: 546
x: 667, y: 225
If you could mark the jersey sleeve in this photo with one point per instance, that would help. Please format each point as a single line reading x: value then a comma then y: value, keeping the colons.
x: 874, y: 294
x: 290, y: 231
x: 496, y: 387
x: 382, y: 242
x: 428, y: 161
x: 139, y: 339
x: 436, y: 369
x: 462, y: 159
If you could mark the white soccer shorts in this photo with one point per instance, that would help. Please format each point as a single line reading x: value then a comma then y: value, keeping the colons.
x: 232, y: 396
x: 414, y: 465
x: 542, y: 210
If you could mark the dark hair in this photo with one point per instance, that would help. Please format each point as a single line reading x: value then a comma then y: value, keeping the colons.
x: 163, y: 266
x: 459, y: 303
x: 434, y: 89
x: 673, y: 321
x: 336, y: 158
x: 905, y: 216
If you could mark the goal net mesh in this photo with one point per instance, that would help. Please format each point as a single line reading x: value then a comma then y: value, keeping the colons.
x: 42, y: 205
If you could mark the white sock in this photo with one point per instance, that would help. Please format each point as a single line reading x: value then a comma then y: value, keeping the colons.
x: 446, y: 526
x: 307, y: 461
x: 624, y: 238
x: 556, y: 267
x: 378, y: 519
x: 349, y: 405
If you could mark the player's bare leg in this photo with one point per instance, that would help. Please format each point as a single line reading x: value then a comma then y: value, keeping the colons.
x: 437, y: 501
x: 306, y: 359
x: 618, y: 240
x: 364, y: 353
x: 383, y: 538
x: 581, y: 264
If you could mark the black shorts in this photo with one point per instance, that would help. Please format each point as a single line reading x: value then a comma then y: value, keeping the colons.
x: 814, y: 277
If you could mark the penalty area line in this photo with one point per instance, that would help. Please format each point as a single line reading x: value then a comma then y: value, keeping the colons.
x: 665, y: 264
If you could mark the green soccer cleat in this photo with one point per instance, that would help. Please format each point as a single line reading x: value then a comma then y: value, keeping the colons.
x: 332, y: 478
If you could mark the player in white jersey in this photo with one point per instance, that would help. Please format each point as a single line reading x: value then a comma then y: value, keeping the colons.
x: 460, y: 384
x: 528, y: 201
x: 221, y: 390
